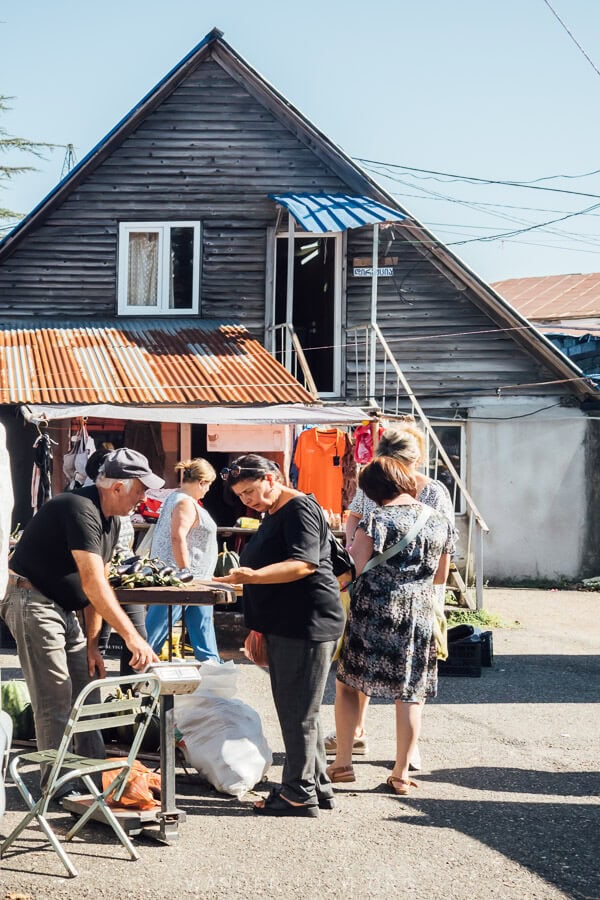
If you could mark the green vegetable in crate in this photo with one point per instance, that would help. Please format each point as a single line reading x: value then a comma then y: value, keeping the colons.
x: 226, y: 561
x: 15, y: 700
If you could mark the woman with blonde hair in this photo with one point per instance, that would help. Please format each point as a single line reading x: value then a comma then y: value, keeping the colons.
x: 185, y: 537
x: 404, y: 442
x: 401, y: 550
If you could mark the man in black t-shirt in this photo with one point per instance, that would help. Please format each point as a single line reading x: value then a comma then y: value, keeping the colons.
x: 59, y: 567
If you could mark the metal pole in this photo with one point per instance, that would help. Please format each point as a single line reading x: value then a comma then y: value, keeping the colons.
x: 478, y: 565
x: 289, y: 303
x: 372, y: 335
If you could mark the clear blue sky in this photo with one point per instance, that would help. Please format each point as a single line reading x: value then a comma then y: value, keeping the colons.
x: 487, y: 88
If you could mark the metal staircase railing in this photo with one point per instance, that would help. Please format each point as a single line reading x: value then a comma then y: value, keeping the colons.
x: 287, y: 350
x: 387, y: 388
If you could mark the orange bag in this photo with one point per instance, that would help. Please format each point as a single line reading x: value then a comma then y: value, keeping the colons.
x: 255, y: 648
x: 139, y: 790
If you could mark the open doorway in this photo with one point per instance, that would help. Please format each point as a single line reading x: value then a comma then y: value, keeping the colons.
x: 315, y: 309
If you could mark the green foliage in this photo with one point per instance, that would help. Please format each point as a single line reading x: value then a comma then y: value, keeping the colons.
x: 478, y: 617
x: 9, y: 143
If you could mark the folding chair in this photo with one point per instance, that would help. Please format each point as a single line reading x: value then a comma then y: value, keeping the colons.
x: 6, y: 731
x: 135, y: 710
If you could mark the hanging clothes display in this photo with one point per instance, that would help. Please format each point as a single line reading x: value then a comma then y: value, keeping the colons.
x: 41, y: 477
x: 318, y: 458
x: 363, y: 443
x: 75, y: 460
x: 349, y: 474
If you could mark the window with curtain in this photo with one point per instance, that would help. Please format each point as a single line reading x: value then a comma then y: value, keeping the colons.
x: 159, y: 268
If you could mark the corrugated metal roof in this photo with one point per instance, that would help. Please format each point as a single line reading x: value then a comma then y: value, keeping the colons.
x: 553, y: 296
x: 140, y: 361
x: 335, y: 212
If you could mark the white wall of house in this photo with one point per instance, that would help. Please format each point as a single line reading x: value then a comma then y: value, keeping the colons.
x: 527, y: 476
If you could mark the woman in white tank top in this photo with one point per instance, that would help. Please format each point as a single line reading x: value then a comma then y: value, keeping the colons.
x: 185, y: 536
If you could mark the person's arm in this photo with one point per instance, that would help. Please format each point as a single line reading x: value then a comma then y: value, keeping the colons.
x: 277, y: 573
x: 93, y: 627
x: 351, y: 526
x: 441, y: 576
x: 103, y: 599
x: 362, y: 550
x: 183, y: 518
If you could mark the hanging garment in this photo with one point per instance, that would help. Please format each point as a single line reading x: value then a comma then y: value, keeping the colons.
x: 349, y: 474
x: 318, y: 458
x: 363, y: 444
x: 41, y: 477
x: 75, y: 461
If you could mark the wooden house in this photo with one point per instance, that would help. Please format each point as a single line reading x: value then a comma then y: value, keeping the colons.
x: 218, y: 259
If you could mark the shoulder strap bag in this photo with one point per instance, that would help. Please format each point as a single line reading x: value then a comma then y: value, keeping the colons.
x: 406, y: 540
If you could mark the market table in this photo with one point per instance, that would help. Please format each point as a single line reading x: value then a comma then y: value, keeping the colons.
x: 195, y: 593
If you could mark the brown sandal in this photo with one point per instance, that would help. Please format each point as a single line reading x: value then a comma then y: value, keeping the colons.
x: 337, y: 774
x: 400, y: 786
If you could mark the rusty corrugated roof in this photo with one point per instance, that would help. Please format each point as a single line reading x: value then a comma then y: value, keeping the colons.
x: 137, y: 361
x: 553, y: 296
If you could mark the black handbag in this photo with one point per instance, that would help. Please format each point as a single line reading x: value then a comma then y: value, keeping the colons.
x: 341, y: 561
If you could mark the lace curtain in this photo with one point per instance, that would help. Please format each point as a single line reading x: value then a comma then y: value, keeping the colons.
x: 142, y: 278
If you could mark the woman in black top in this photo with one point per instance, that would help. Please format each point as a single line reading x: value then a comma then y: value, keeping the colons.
x: 292, y: 596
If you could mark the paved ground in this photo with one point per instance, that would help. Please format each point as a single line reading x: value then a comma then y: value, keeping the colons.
x: 507, y: 806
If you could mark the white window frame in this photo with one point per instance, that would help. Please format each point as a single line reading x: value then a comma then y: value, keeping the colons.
x: 163, y: 229
x: 337, y: 299
x: 462, y: 509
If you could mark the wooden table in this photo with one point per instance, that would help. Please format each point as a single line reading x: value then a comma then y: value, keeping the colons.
x: 196, y: 593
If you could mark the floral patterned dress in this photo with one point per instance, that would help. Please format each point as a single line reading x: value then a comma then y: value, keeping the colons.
x: 388, y: 648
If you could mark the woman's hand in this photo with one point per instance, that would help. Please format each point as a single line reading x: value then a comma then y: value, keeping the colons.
x: 243, y: 575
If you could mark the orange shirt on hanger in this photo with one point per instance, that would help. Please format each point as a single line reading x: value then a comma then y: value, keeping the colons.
x: 318, y: 458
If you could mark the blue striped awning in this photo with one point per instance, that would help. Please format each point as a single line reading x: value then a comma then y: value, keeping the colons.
x: 335, y: 212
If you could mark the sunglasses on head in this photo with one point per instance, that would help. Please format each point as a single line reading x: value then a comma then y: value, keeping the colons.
x: 235, y: 471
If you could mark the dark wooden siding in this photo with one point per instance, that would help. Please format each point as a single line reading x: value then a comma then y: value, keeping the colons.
x: 212, y: 152
x: 416, y: 308
x: 209, y: 152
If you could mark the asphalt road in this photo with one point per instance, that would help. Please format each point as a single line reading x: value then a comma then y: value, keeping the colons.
x: 507, y: 805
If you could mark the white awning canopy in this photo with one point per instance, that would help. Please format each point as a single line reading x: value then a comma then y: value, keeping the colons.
x: 292, y: 414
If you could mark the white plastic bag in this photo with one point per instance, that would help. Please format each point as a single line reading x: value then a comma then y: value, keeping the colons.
x: 223, y: 739
x: 218, y: 679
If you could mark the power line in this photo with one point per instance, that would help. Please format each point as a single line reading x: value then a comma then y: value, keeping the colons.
x: 473, y: 179
x: 572, y: 36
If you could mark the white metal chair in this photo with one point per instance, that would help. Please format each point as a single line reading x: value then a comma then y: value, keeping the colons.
x: 135, y: 709
x: 6, y: 732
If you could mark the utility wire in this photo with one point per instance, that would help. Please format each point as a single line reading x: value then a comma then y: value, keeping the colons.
x: 473, y: 179
x: 572, y: 36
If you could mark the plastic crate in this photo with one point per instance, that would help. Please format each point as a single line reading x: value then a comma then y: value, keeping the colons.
x: 464, y: 658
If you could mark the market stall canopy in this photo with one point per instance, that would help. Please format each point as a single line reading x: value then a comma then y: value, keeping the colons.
x: 293, y: 414
x: 322, y: 213
x: 137, y: 361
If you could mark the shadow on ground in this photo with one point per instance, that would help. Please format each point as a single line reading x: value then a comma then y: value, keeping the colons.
x: 557, y: 842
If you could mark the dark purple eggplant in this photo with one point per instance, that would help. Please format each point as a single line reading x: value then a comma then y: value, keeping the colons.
x: 167, y: 570
x: 145, y: 570
x: 184, y: 575
x: 114, y: 581
x: 132, y: 569
x: 131, y: 560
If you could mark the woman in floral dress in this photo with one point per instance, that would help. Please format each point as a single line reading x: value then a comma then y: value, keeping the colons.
x: 388, y: 648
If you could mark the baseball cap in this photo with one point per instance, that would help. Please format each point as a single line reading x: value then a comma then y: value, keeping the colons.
x: 126, y: 463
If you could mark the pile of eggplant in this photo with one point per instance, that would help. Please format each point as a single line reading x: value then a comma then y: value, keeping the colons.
x: 143, y: 571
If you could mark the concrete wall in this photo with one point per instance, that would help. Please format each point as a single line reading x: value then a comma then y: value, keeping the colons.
x: 528, y: 478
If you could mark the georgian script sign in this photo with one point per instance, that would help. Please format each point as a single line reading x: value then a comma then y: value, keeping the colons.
x: 363, y: 266
x: 367, y: 271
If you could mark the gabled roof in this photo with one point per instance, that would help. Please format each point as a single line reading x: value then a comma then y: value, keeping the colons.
x: 133, y: 361
x: 553, y: 296
x: 213, y: 46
